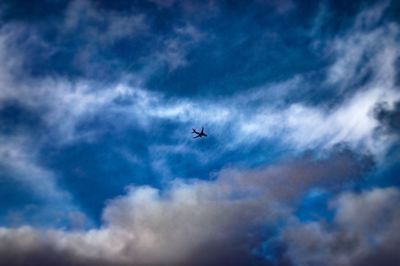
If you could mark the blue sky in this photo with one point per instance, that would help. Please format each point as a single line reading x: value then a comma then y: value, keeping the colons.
x: 300, y: 101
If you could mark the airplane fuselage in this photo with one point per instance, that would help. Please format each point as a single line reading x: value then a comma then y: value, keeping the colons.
x: 199, y: 134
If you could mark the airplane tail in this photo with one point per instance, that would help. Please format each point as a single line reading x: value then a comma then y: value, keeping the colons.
x: 193, y: 130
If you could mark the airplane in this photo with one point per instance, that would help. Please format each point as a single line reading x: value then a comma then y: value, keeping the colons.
x: 199, y: 134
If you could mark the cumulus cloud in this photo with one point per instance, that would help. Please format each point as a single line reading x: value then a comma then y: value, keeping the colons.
x: 189, y: 223
x: 365, y: 231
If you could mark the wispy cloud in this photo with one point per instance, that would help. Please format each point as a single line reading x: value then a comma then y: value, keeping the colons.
x: 301, y: 125
x: 19, y: 161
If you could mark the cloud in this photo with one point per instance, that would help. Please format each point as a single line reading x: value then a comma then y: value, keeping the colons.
x: 307, y: 127
x: 20, y: 161
x: 364, y: 232
x: 358, y: 55
x: 163, y: 3
x: 301, y: 126
x: 101, y: 25
x: 389, y: 117
x: 100, y: 29
x: 363, y: 75
x: 11, y: 64
x: 15, y: 158
x: 190, y: 222
x: 281, y: 7
x: 195, y: 222
x: 174, y: 50
x: 74, y: 102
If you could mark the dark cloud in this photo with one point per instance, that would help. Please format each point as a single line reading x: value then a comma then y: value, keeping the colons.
x: 389, y: 117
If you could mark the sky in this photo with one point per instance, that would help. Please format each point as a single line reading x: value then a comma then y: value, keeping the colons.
x: 300, y: 101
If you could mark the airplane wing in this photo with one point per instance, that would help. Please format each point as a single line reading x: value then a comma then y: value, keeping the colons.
x: 202, y: 129
x: 198, y: 136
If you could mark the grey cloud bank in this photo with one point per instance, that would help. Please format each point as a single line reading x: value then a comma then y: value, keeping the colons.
x: 190, y: 223
x: 365, y: 232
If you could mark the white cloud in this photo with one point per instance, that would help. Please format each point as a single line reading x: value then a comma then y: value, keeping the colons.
x: 362, y: 51
x: 244, y: 118
x: 306, y: 127
x: 19, y: 161
x: 17, y: 157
